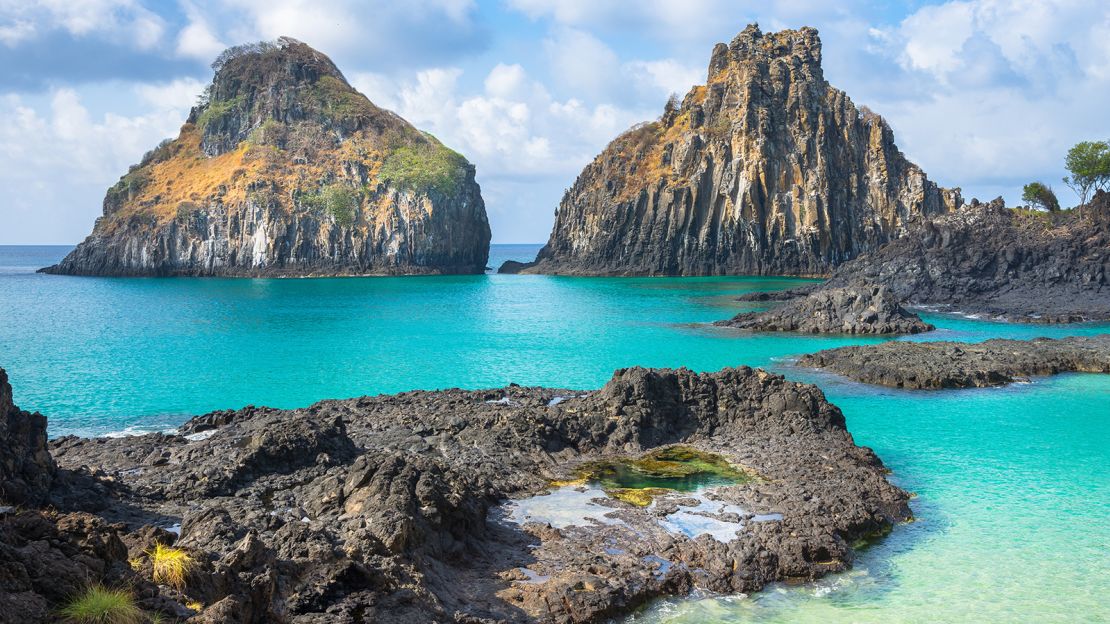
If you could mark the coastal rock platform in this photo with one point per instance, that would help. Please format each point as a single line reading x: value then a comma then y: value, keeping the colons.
x: 437, y: 506
x: 921, y: 365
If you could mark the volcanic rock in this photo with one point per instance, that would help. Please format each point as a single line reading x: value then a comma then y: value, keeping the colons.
x: 284, y: 169
x: 765, y: 169
x: 933, y: 365
x: 991, y: 260
x: 399, y: 508
x: 848, y: 310
x: 26, y: 468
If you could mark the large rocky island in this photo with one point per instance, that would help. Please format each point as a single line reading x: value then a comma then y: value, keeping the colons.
x: 284, y: 169
x: 765, y: 169
x: 509, y: 505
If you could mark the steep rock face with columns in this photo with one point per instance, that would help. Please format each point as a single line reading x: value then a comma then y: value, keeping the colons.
x: 284, y: 169
x: 765, y: 169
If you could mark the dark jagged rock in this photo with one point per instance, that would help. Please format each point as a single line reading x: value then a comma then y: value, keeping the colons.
x: 48, y: 557
x: 765, y: 169
x: 920, y: 365
x: 393, y: 508
x: 285, y: 169
x: 991, y: 260
x: 850, y: 310
x: 26, y: 468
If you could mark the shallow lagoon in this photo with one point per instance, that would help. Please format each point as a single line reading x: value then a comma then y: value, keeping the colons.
x: 1013, y: 488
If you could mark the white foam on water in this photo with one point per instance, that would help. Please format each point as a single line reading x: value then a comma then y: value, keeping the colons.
x: 201, y: 435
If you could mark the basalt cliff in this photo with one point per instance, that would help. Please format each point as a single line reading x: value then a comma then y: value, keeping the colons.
x: 284, y: 169
x: 765, y: 169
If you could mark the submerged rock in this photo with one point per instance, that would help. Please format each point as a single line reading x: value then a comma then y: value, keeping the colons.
x: 849, y: 310
x: 285, y: 169
x: 765, y: 169
x: 935, y: 365
x: 991, y: 260
x: 399, y: 508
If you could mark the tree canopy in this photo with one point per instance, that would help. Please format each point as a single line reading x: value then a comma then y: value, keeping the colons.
x: 1089, y: 165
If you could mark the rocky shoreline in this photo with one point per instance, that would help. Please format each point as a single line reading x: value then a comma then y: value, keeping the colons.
x: 427, y: 506
x: 995, y: 261
x: 934, y: 365
x: 871, y: 310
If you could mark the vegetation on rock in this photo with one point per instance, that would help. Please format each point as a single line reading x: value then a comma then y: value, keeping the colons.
x: 100, y: 605
x: 171, y: 565
x: 1041, y: 196
x: 1089, y: 165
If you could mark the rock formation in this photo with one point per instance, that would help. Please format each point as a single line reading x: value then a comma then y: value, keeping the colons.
x: 284, y: 169
x: 395, y: 508
x: 849, y: 310
x: 991, y: 260
x: 933, y: 365
x: 26, y: 469
x: 765, y: 169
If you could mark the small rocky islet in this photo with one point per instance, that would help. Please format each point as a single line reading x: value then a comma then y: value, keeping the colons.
x: 430, y: 506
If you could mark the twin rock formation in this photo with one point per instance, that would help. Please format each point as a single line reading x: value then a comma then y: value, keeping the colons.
x: 285, y: 169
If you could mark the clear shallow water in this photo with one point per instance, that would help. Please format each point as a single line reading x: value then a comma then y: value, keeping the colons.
x: 1012, y: 483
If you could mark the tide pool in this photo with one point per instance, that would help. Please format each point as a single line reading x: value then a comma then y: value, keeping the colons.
x: 1013, y: 519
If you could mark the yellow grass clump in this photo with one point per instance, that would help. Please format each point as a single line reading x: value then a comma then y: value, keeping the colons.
x: 171, y: 565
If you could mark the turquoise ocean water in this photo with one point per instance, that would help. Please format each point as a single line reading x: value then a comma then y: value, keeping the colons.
x: 1012, y: 484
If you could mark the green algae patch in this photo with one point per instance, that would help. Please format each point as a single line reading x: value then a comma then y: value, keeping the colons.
x: 637, y: 481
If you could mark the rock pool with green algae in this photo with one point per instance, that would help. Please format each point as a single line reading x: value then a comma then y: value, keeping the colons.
x: 637, y: 480
x: 1012, y: 483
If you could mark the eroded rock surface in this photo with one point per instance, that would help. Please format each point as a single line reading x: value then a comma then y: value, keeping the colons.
x: 848, y: 310
x: 26, y: 468
x: 398, y: 508
x: 934, y: 365
x: 995, y: 261
x: 285, y: 169
x: 765, y: 169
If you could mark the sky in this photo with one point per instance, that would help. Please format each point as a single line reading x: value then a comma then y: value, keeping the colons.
x: 983, y: 94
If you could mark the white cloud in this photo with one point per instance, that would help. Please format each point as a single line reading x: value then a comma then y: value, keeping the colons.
x: 1004, y: 89
x: 122, y: 20
x: 58, y: 158
x: 196, y: 39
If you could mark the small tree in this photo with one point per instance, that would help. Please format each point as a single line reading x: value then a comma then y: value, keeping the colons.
x: 672, y: 105
x: 1041, y: 196
x: 1089, y: 165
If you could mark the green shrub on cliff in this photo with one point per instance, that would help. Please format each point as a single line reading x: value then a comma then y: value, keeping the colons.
x: 423, y: 166
x: 99, y: 605
x: 217, y: 109
x: 336, y: 199
x: 1039, y: 195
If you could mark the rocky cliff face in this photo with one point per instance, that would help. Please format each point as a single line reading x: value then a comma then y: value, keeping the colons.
x: 765, y: 169
x: 989, y: 259
x: 285, y: 169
